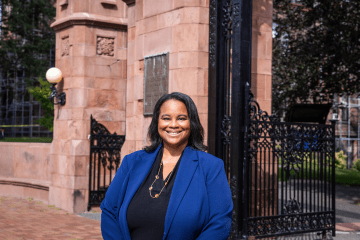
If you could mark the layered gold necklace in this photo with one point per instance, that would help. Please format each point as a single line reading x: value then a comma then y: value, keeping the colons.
x: 156, y: 178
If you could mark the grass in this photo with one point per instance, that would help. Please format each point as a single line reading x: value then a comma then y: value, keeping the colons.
x: 347, y: 177
x: 27, y: 139
x: 342, y: 176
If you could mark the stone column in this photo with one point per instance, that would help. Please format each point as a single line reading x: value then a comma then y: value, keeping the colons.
x: 261, y: 55
x: 91, y: 42
x: 180, y: 27
x: 261, y: 86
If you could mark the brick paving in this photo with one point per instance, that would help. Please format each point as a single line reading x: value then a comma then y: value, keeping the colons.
x: 27, y: 219
x: 348, y: 227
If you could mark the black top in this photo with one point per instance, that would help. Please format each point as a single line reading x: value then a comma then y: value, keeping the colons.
x: 146, y: 215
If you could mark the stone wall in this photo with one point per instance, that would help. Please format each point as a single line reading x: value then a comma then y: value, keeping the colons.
x: 91, y: 53
x: 180, y: 28
x: 25, y: 170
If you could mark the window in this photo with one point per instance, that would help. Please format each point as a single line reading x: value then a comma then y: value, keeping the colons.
x: 344, y: 114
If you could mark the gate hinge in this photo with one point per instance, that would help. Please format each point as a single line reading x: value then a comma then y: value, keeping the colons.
x: 89, y: 137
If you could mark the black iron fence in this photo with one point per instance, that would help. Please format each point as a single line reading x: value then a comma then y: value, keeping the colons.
x: 281, y: 175
x: 290, y: 176
x: 25, y: 133
x: 105, y: 149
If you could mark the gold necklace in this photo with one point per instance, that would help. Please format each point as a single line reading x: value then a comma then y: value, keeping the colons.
x: 156, y: 178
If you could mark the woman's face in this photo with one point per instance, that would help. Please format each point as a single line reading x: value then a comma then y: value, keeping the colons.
x: 174, y: 123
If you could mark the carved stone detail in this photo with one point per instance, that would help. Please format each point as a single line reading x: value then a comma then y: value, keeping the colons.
x: 65, y: 49
x: 105, y: 46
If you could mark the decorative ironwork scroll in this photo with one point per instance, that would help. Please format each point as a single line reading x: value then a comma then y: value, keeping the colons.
x: 226, y: 130
x: 292, y: 206
x: 234, y: 232
x: 231, y: 10
x: 212, y: 33
x: 290, y: 224
x: 105, y: 149
x: 291, y: 175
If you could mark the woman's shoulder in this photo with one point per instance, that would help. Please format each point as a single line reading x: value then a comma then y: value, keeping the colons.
x: 209, y: 159
x: 139, y: 155
x: 131, y: 159
x: 210, y: 165
x: 136, y: 154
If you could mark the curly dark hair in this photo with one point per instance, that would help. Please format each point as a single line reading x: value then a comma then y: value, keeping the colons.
x: 196, y: 137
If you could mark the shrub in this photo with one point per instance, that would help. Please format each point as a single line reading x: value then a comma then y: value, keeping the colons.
x: 42, y: 94
x: 356, y: 165
x: 340, y: 160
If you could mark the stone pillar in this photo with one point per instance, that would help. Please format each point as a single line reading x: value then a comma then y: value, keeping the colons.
x: 261, y: 86
x: 91, y: 42
x: 180, y: 27
x: 261, y: 55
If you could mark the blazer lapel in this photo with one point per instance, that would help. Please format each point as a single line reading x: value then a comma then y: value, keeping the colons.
x: 137, y: 176
x: 188, y: 165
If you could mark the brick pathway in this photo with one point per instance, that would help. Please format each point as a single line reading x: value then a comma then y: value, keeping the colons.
x: 27, y: 219
x: 348, y: 227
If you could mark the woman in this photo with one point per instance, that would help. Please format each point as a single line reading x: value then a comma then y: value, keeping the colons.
x: 172, y: 189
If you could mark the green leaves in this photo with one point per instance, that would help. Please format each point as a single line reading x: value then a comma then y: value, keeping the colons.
x: 340, y: 160
x: 26, y: 35
x: 42, y: 94
x: 25, y: 43
x: 315, y: 51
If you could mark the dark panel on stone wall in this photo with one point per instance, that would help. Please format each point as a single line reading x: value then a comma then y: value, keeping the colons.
x: 156, y: 80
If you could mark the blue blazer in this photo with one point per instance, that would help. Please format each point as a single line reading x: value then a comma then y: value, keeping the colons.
x: 200, y: 206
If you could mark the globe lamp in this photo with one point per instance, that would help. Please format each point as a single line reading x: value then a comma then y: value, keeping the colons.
x: 54, y: 76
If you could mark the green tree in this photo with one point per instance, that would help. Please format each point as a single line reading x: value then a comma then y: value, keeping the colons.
x: 316, y: 50
x: 26, y: 37
x: 41, y: 94
x: 26, y: 41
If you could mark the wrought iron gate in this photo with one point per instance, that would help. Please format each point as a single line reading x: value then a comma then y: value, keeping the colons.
x: 105, y: 149
x: 289, y: 174
x: 281, y: 174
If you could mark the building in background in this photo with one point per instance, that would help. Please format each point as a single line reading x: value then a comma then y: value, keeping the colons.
x: 19, y: 111
x: 27, y: 49
x: 347, y: 109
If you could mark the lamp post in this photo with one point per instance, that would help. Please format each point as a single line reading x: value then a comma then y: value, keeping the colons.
x: 54, y: 76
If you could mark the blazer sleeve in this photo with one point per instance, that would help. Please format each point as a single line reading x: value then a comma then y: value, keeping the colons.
x: 220, y: 204
x: 110, y: 227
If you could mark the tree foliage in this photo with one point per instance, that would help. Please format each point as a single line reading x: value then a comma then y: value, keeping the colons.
x: 316, y: 50
x: 25, y: 43
x: 26, y: 37
x: 41, y: 94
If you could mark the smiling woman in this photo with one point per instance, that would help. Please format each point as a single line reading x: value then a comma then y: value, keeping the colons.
x: 174, y: 130
x: 171, y: 103
x: 172, y: 189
